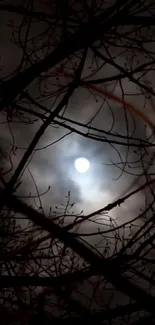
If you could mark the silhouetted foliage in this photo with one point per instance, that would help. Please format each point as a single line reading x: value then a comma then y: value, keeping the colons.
x: 77, y: 74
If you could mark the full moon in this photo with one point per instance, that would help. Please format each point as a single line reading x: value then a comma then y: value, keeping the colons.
x: 82, y: 165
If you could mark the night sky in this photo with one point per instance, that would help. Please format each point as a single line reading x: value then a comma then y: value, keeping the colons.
x: 116, y: 166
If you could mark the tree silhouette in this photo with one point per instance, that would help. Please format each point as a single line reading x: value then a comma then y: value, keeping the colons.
x: 82, y: 72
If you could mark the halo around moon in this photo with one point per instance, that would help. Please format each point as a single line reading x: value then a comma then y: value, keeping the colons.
x: 82, y: 165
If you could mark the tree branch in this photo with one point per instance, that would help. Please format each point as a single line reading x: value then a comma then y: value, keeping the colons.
x: 87, y: 34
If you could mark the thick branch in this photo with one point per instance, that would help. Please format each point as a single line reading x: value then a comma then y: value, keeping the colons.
x: 124, y: 20
x: 11, y: 281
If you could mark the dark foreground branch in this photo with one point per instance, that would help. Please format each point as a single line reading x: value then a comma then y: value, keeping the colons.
x: 110, y: 269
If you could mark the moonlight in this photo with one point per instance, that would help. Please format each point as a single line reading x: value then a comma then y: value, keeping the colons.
x: 82, y: 165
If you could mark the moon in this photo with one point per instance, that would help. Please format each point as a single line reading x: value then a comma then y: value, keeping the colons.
x: 82, y: 165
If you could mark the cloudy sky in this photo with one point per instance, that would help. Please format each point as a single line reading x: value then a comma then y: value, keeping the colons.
x: 52, y: 163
